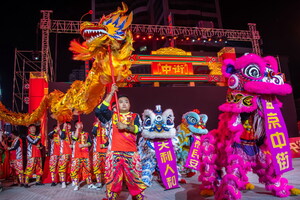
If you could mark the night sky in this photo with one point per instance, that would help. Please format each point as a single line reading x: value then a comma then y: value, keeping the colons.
x: 278, y: 24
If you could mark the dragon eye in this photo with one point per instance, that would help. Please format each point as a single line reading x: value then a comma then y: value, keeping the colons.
x: 252, y: 71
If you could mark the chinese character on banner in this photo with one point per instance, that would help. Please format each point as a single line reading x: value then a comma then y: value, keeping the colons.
x: 192, y: 160
x: 166, y: 161
x: 172, y: 68
x: 166, y: 156
x: 273, y: 121
x: 283, y: 160
x: 278, y: 140
x: 277, y: 137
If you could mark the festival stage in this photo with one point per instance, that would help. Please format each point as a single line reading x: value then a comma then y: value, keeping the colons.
x: 189, y: 191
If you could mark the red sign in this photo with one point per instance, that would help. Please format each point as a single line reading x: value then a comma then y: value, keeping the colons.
x: 295, y: 147
x: 160, y: 68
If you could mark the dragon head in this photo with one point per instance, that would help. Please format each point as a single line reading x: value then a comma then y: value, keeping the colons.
x: 112, y: 27
x: 108, y: 43
x: 195, y: 121
x: 254, y: 74
x: 158, y: 124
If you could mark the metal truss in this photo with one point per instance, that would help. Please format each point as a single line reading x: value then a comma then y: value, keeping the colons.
x: 251, y: 35
x: 24, y: 63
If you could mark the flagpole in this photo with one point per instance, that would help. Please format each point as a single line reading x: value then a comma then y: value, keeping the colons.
x: 113, y: 80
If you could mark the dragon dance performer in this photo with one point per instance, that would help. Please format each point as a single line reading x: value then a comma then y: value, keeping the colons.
x: 65, y: 153
x: 123, y: 160
x: 80, y: 156
x: 54, y: 153
x: 16, y: 158
x: 34, y: 157
x: 99, y: 152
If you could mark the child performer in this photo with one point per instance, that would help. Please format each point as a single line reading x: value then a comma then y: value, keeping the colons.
x: 80, y: 157
x: 54, y: 153
x: 65, y: 153
x: 99, y: 152
x: 123, y: 161
x: 34, y: 157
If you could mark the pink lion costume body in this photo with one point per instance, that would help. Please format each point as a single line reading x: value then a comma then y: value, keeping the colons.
x: 239, y: 144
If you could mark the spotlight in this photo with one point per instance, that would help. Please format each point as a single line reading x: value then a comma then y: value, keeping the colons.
x: 150, y: 37
x: 163, y: 37
x: 193, y: 40
x: 187, y: 38
x: 35, y: 55
x: 198, y: 38
x: 137, y: 36
x: 175, y: 37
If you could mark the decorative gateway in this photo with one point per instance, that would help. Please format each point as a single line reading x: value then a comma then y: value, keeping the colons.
x: 189, y: 135
x: 157, y: 147
x: 251, y: 134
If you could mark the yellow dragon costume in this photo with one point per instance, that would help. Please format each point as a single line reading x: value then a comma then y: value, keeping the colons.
x: 110, y: 37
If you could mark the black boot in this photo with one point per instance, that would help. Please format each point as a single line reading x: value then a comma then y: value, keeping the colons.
x: 53, y: 184
x: 39, y: 183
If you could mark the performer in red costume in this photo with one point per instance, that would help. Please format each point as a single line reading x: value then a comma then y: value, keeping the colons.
x: 34, y: 157
x: 80, y: 156
x: 99, y: 152
x: 16, y: 158
x: 54, y: 153
x: 123, y: 160
x: 65, y: 152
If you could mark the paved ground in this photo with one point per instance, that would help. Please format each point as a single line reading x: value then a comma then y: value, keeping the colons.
x: 187, y: 191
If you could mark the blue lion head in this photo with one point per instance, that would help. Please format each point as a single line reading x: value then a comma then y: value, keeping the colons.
x: 195, y: 122
x: 158, y: 124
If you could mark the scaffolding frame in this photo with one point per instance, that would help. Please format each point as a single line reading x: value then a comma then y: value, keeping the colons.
x: 47, y: 25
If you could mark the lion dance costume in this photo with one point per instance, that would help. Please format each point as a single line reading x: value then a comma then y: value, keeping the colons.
x: 239, y: 144
x: 193, y: 124
x: 156, y: 125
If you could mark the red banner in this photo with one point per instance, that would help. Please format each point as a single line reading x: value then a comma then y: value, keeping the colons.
x: 160, y: 68
x: 295, y: 147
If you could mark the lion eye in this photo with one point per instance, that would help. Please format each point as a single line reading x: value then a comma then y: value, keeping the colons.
x: 191, y: 120
x: 147, y: 123
x: 252, y: 71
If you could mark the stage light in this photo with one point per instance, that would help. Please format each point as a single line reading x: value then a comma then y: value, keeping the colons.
x: 144, y: 38
x: 209, y: 39
x: 187, y: 38
x: 175, y: 37
x: 150, y: 37
x: 198, y: 38
x: 36, y: 55
x: 193, y: 40
x: 143, y: 48
x: 163, y: 37
x: 137, y: 36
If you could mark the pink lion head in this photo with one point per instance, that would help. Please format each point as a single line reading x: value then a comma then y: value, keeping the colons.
x: 254, y: 74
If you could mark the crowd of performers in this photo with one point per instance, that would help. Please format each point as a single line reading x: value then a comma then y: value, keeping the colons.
x: 109, y: 155
x: 120, y: 155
